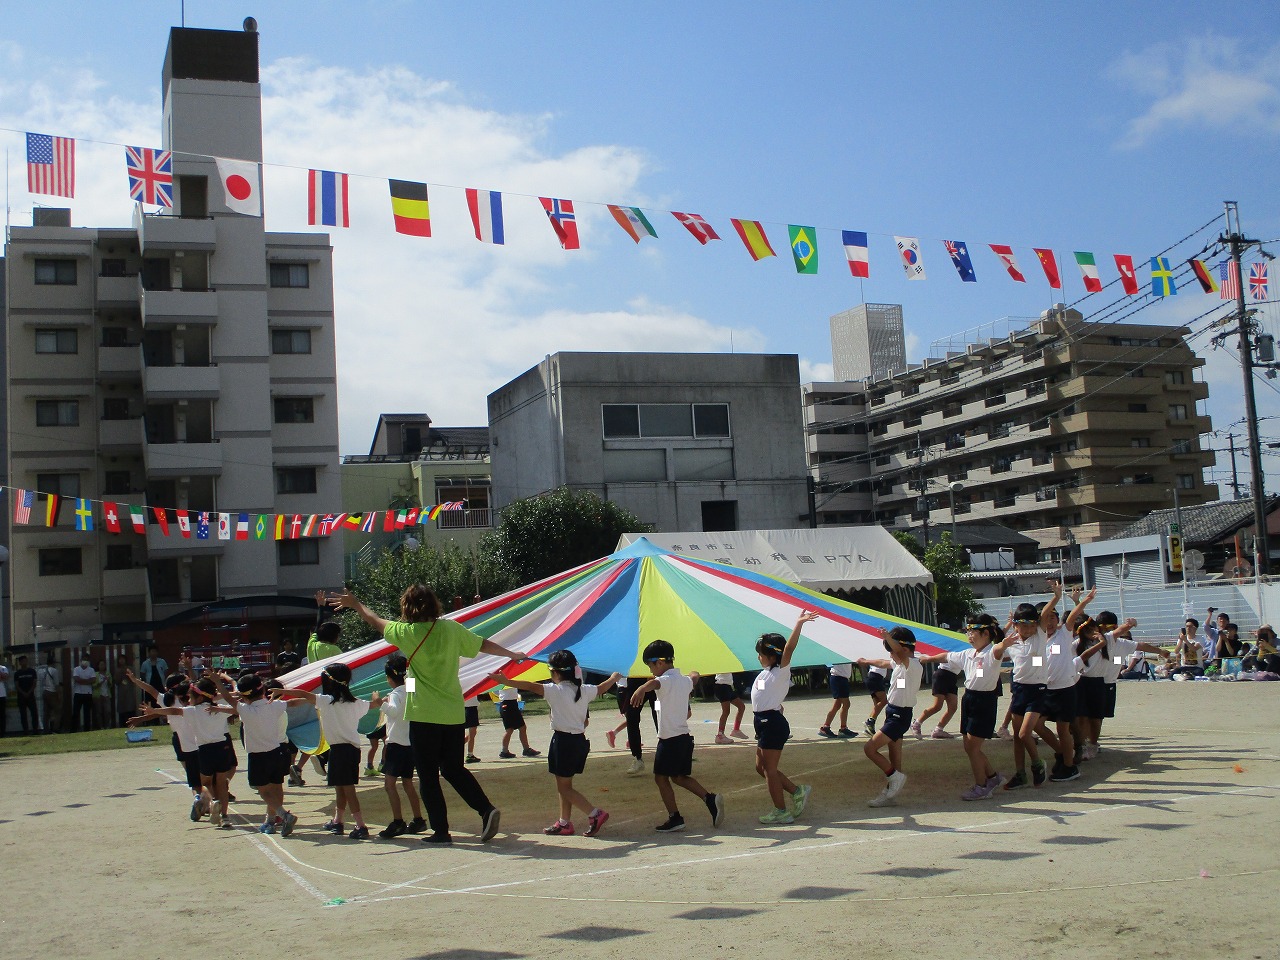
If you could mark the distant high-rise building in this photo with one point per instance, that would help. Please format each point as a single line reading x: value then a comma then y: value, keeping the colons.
x: 868, y: 341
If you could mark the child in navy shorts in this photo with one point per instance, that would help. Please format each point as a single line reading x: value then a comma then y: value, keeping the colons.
x: 838, y: 681
x: 768, y: 692
x: 904, y: 683
x: 397, y: 755
x: 727, y: 695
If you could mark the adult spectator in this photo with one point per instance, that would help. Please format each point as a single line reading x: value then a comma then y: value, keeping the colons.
x: 434, y: 708
x: 324, y: 641
x: 197, y: 666
x: 1228, y: 644
x: 4, y: 698
x: 1212, y: 629
x: 49, y: 682
x: 24, y: 681
x: 101, y: 695
x: 82, y: 678
x: 287, y: 659
x: 126, y: 692
x: 1189, y: 654
x: 1265, y: 654
x: 153, y: 673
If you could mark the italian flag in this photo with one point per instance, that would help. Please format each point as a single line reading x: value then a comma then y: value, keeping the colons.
x: 1089, y: 271
x: 139, y: 519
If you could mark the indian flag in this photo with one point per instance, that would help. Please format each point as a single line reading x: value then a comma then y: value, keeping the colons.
x: 633, y: 220
x: 751, y: 233
x: 1089, y: 271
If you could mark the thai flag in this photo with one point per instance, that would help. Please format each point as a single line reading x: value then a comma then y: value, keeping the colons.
x: 486, y: 214
x: 327, y: 199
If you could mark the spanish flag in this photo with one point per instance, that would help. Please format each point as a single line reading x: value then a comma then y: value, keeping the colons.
x: 751, y: 233
x: 409, y: 208
x: 281, y: 526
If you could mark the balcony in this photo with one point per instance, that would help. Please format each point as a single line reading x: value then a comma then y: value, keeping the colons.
x: 127, y: 584
x: 120, y: 435
x: 166, y: 308
x: 158, y: 545
x: 118, y: 291
x: 457, y: 519
x: 182, y: 459
x: 166, y: 233
x: 181, y: 383
x: 120, y: 363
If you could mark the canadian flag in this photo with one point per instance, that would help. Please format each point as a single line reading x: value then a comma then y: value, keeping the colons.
x: 241, y: 185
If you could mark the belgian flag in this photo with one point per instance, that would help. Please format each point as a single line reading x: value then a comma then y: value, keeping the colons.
x: 410, y: 209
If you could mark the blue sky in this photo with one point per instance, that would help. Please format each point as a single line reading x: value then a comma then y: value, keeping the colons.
x: 1112, y: 128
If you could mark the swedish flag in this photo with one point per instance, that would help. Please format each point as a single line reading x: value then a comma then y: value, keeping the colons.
x: 1162, y: 284
x: 804, y: 248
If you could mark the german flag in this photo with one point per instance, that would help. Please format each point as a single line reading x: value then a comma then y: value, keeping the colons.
x: 409, y: 208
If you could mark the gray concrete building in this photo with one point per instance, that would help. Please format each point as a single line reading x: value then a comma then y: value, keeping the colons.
x: 868, y: 341
x: 186, y: 362
x: 685, y: 441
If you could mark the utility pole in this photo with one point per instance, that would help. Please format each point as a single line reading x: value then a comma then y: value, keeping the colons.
x: 1235, y: 478
x: 922, y: 487
x: 1238, y: 244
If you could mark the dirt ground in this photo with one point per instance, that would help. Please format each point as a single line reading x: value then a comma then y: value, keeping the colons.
x: 1166, y: 847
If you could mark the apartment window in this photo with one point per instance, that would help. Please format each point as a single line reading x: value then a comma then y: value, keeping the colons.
x: 112, y: 267
x: 119, y: 556
x: 290, y: 341
x: 1175, y: 378
x: 60, y: 562
x: 116, y: 483
x: 1135, y: 372
x: 115, y: 408
x: 1137, y: 408
x: 710, y: 420
x: 62, y: 484
x: 1139, y: 441
x: 56, y: 341
x: 294, y: 410
x: 290, y: 275
x: 298, y: 553
x: 1177, y: 411
x: 635, y: 420
x: 1186, y: 481
x: 115, y: 337
x: 57, y: 413
x: 295, y: 480
x: 56, y: 272
x: 1181, y: 446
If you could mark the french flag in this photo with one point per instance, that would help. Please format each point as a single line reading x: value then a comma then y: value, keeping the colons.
x: 855, y: 249
x: 486, y: 214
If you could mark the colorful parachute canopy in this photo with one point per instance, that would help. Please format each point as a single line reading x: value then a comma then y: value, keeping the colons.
x: 608, y: 610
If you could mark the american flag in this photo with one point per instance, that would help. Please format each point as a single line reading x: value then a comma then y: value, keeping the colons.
x: 1258, y: 282
x: 150, y: 175
x: 51, y: 165
x: 1228, y: 281
x: 23, y: 501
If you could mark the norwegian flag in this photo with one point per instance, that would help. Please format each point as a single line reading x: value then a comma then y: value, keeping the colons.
x: 1258, y: 282
x: 1228, y: 280
x: 150, y: 175
x: 563, y: 221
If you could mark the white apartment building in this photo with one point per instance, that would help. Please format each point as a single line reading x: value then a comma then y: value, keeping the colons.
x: 185, y: 362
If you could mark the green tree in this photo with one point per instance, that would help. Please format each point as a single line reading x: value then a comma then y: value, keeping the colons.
x: 541, y: 536
x: 946, y: 560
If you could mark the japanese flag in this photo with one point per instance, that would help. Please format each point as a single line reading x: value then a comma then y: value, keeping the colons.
x: 241, y: 185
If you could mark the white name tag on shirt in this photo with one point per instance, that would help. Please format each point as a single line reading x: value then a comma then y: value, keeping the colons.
x: 978, y: 672
x: 1037, y: 661
x: 1117, y: 660
x: 1055, y: 649
x: 902, y: 684
x: 410, y: 684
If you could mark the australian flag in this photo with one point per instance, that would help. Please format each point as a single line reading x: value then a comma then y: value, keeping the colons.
x: 202, y: 526
x: 959, y: 253
x: 150, y: 175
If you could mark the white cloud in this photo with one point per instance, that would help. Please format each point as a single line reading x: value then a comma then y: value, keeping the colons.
x: 1209, y: 83
x: 812, y: 371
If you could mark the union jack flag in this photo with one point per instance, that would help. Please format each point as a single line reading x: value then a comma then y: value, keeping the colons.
x: 150, y: 175
x: 1228, y: 282
x: 1258, y: 281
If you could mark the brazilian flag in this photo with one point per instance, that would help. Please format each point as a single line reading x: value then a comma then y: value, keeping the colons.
x: 804, y: 248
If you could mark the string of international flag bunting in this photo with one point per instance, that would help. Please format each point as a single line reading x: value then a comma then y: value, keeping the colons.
x: 51, y: 170
x: 122, y: 518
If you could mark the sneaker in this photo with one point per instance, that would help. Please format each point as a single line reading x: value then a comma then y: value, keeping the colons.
x: 290, y: 821
x: 530, y: 752
x: 226, y: 824
x: 826, y: 732
x: 774, y: 817
x: 847, y: 733
x: 318, y: 764
x: 506, y: 755
x: 611, y: 736
x: 1090, y: 751
x: 637, y: 766
x: 994, y: 784
x: 1037, y: 773
x: 416, y: 825
x: 334, y: 827
x: 440, y: 839
x: 976, y: 792
x: 370, y: 772
x: 1017, y: 781
x: 359, y: 833
x: 881, y: 800
x: 471, y: 758
x: 715, y: 806
x: 231, y: 798
x: 671, y: 824
x: 737, y: 734
x: 940, y: 734
x: 800, y: 799
x: 915, y: 730
x: 559, y: 829
x: 195, y: 810
x: 1065, y: 774
x: 594, y: 822
x: 393, y: 829
x: 1077, y: 756
x: 268, y: 827
x: 490, y: 826
x: 870, y: 727
x: 1004, y: 733
x: 721, y: 738
x: 897, y: 781
x: 215, y: 816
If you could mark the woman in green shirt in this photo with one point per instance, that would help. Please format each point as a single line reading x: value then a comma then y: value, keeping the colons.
x: 434, y: 704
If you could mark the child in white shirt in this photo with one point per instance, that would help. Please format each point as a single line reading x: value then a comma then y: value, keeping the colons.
x: 397, y: 755
x: 768, y: 691
x: 904, y: 684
